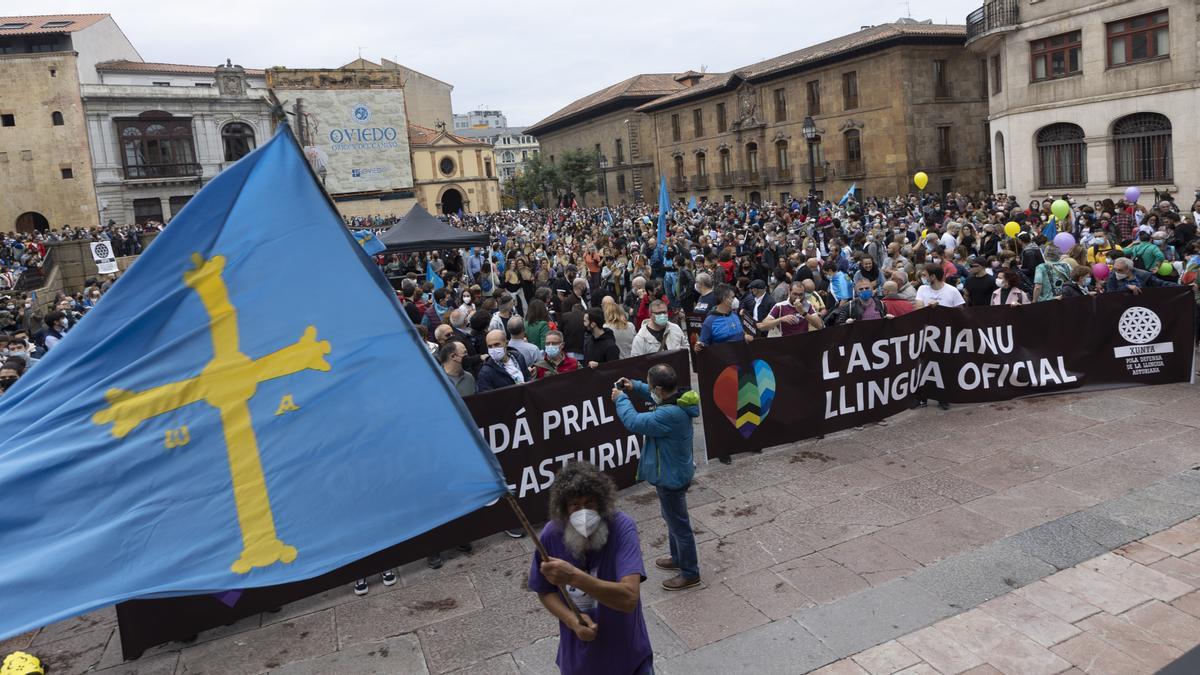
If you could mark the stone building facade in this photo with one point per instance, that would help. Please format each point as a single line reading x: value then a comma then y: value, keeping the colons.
x: 887, y: 101
x: 426, y: 98
x: 513, y: 146
x: 1088, y: 98
x: 452, y: 172
x: 160, y: 131
x: 45, y: 166
x: 608, y: 121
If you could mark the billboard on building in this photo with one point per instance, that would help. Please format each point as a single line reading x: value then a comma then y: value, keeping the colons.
x: 357, y: 139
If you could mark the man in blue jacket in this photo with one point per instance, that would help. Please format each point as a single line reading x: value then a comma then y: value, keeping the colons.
x: 666, y: 461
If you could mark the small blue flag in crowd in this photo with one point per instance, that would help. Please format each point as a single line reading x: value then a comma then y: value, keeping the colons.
x: 199, y: 431
x: 664, y: 205
x: 433, y: 277
x: 849, y: 193
x: 692, y: 205
x: 369, y: 242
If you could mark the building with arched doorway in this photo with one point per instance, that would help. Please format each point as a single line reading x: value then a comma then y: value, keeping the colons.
x: 1088, y: 98
x: 45, y: 168
x: 451, y: 172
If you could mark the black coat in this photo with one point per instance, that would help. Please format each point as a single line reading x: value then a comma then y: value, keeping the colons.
x: 492, y: 375
x: 601, y: 349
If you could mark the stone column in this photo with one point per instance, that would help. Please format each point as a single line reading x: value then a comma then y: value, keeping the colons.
x: 1098, y: 164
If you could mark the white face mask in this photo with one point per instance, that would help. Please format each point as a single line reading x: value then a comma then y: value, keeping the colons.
x: 497, y: 353
x: 585, y: 521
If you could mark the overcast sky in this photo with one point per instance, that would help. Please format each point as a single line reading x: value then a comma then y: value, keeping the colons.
x: 527, y: 58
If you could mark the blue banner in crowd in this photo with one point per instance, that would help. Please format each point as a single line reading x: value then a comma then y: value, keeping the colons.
x: 200, y: 430
x: 369, y: 242
x: 664, y: 206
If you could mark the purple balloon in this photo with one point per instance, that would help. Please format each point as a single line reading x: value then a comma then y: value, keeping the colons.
x: 1132, y: 193
x: 1064, y: 241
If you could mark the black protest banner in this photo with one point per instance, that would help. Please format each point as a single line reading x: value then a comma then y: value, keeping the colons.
x: 534, y: 429
x: 780, y: 390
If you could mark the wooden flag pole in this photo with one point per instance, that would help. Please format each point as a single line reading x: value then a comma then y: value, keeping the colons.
x: 537, y: 542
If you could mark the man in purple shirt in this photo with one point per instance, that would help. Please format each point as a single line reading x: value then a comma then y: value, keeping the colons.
x: 595, y: 556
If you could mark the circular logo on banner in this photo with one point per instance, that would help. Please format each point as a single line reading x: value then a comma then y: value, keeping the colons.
x: 361, y: 113
x: 1139, y: 325
x: 101, y: 250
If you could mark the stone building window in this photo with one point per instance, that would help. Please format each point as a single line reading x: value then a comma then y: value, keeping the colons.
x: 781, y: 155
x: 726, y: 165
x: 620, y: 151
x: 1062, y: 156
x: 679, y: 166
x: 238, y: 138
x: 8, y: 120
x: 780, y: 104
x: 66, y: 173
x: 56, y: 118
x: 698, y: 123
x: 752, y: 158
x: 621, y: 183
x: 1055, y: 57
x: 850, y: 90
x: 854, y: 160
x: 675, y: 127
x: 507, y: 157
x: 941, y: 79
x: 446, y: 166
x: 145, y: 210
x: 1142, y: 148
x: 1138, y: 39
x: 157, y: 145
x: 945, y: 146
x: 722, y: 123
x: 701, y: 164
x: 813, y: 89
x: 997, y: 82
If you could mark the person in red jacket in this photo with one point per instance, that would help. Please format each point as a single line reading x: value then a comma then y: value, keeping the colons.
x: 896, y: 305
x: 556, y: 360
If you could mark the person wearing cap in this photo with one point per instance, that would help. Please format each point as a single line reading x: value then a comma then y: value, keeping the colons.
x: 979, y: 284
x: 756, y: 305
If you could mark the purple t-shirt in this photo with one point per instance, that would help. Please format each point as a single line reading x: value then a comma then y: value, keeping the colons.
x: 622, y: 645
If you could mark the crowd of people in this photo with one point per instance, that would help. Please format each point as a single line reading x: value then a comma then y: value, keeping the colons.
x: 565, y: 289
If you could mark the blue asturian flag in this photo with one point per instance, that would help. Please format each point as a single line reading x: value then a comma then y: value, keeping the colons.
x: 202, y: 430
x: 664, y: 205
x: 369, y: 242
x: 432, y: 277
x: 692, y: 205
x: 1051, y: 229
x: 849, y: 193
x: 608, y: 217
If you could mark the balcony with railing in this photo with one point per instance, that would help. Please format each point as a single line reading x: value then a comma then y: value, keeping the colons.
x: 781, y: 174
x: 153, y: 171
x: 993, y: 16
x: 700, y: 181
x: 678, y: 183
x: 855, y: 168
x: 945, y: 159
x: 724, y: 180
x: 806, y: 176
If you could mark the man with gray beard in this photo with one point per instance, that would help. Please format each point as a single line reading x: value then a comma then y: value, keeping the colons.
x: 595, y: 556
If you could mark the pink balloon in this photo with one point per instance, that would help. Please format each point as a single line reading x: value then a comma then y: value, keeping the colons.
x: 1100, y: 271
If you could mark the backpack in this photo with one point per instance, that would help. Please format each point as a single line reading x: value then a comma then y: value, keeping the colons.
x: 1056, y: 277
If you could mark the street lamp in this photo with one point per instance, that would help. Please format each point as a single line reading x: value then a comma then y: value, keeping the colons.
x: 810, y: 136
x: 603, y: 162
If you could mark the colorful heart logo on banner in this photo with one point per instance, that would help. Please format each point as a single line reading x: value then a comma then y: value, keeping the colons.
x: 745, y: 396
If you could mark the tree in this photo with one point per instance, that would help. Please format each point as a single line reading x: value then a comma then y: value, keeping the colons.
x: 579, y: 170
x: 541, y: 182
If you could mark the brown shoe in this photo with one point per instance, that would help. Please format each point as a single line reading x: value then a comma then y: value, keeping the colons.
x: 680, y: 582
x: 666, y: 564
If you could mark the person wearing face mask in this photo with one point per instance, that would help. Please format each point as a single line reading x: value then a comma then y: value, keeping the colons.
x: 658, y: 334
x: 794, y: 315
x: 10, y: 372
x: 865, y: 306
x: 504, y: 366
x: 438, y: 310
x: 1008, y: 289
x: 1125, y: 278
x: 556, y: 360
x: 666, y: 461
x: 755, y: 306
x: 1144, y: 254
x: 721, y: 324
x: 595, y: 558
x: 52, y: 334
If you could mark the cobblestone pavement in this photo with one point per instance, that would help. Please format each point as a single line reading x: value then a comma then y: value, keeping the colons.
x: 1027, y: 536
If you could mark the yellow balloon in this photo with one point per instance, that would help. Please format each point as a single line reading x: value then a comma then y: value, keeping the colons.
x: 1012, y: 229
x: 920, y: 180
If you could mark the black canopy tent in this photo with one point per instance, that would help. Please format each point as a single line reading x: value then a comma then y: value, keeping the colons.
x: 419, y: 231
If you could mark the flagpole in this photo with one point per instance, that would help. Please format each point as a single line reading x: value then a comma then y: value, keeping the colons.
x: 537, y: 542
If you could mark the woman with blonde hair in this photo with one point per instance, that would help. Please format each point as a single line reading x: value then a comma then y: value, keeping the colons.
x: 616, y: 320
